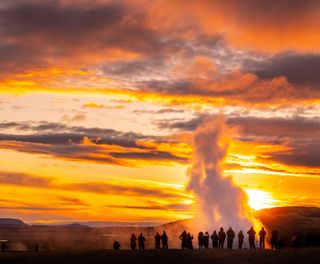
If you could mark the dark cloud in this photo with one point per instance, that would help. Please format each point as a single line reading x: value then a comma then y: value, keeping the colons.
x: 273, y: 12
x: 239, y: 87
x: 135, y: 68
x: 300, y: 69
x: 79, y: 143
x: 258, y: 127
x: 183, y: 125
x: 41, y: 34
x: 46, y: 133
x: 16, y: 58
x: 51, y: 20
x: 301, y: 154
x: 169, y: 111
x: 161, y: 111
x: 300, y: 135
x: 23, y: 179
x: 37, y: 34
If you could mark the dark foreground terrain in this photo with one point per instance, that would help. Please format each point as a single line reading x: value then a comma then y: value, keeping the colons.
x: 286, y: 256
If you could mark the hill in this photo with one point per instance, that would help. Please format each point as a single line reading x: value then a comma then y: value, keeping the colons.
x: 11, y: 222
x: 300, y: 222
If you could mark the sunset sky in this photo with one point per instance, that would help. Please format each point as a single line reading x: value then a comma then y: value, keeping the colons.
x: 98, y: 99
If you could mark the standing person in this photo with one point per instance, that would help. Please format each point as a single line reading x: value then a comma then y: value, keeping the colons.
x: 240, y: 239
x: 230, y: 236
x: 206, y: 240
x: 200, y: 240
x: 133, y: 242
x: 164, y: 240
x: 215, y: 238
x: 183, y: 238
x: 251, y: 234
x: 116, y: 245
x: 274, y: 239
x: 141, y: 241
x: 157, y: 239
x: 189, y: 241
x: 222, y: 237
x: 262, y: 235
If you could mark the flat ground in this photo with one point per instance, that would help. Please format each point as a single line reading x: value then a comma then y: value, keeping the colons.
x: 286, y: 256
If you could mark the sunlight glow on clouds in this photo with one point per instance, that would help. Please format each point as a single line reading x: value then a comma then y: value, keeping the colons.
x: 97, y: 103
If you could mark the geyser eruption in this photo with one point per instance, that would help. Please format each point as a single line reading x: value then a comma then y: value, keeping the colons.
x: 219, y: 202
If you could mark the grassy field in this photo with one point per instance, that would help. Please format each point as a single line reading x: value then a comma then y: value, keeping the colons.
x: 286, y: 256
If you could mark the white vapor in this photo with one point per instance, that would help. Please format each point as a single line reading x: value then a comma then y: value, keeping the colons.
x: 219, y: 202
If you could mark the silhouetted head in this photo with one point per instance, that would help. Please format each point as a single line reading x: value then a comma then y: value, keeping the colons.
x: 221, y: 228
x: 207, y: 233
x: 215, y: 232
x: 240, y: 232
x: 262, y: 228
x: 230, y: 228
x: 164, y: 232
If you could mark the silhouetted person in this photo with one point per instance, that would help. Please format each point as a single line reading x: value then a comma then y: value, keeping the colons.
x: 251, y: 234
x: 157, y: 239
x: 141, y: 241
x: 164, y: 240
x: 183, y: 238
x: 200, y: 240
x: 3, y: 247
x: 262, y: 235
x: 240, y: 239
x: 116, y: 245
x: 296, y: 242
x: 274, y: 239
x: 230, y: 236
x: 189, y: 241
x: 215, y: 238
x: 206, y: 240
x: 281, y: 244
x: 222, y: 237
x: 133, y: 242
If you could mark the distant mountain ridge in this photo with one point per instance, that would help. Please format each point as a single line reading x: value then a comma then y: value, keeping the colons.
x: 12, y: 222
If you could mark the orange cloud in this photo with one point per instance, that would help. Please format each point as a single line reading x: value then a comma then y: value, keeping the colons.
x: 258, y: 25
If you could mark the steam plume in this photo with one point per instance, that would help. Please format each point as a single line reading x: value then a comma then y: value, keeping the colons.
x: 219, y: 201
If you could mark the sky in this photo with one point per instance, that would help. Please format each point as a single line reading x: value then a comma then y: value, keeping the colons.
x: 98, y: 100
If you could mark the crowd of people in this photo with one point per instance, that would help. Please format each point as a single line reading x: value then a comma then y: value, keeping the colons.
x: 218, y: 239
x: 159, y: 240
